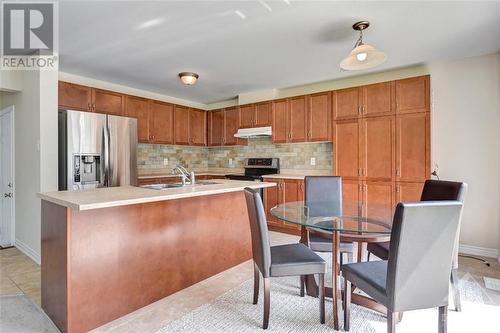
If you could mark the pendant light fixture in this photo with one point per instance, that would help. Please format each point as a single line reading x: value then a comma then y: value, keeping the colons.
x: 188, y: 78
x: 363, y: 56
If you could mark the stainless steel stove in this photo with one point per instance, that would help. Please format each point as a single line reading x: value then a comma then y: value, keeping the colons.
x: 255, y: 168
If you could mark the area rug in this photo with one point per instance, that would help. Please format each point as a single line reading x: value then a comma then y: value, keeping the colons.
x: 18, y: 314
x: 234, y: 312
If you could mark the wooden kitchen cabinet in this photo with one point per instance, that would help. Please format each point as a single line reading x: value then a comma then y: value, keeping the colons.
x: 297, y: 119
x: 378, y: 200
x: 74, y: 96
x: 107, y: 102
x: 287, y: 190
x: 412, y: 147
x: 408, y: 192
x: 351, y: 197
x: 247, y: 116
x: 231, y: 123
x: 347, y: 103
x: 197, y: 127
x: 319, y: 117
x: 181, y: 125
x: 378, y: 99
x: 263, y: 114
x: 377, y: 142
x: 161, y: 116
x: 136, y: 107
x: 413, y: 95
x: 216, y: 128
x: 347, y: 157
x: 280, y: 115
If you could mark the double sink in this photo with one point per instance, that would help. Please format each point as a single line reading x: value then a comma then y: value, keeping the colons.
x: 177, y: 185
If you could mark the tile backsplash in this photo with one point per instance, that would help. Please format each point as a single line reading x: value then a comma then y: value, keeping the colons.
x: 292, y: 156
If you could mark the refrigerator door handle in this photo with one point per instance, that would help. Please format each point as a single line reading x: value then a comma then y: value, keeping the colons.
x: 106, y: 155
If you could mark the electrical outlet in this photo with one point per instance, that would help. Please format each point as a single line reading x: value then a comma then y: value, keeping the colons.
x: 313, y: 160
x: 230, y: 162
x: 165, y: 161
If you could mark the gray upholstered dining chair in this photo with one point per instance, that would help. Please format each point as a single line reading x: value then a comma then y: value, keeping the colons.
x: 318, y: 190
x: 434, y: 190
x: 417, y: 273
x: 282, y: 260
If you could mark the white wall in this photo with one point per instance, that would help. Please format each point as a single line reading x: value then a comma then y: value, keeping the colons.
x: 35, y: 151
x: 466, y: 140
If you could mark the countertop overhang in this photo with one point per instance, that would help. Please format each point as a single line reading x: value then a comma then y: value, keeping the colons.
x: 130, y: 195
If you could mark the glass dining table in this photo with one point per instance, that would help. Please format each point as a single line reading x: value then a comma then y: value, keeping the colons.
x: 320, y: 218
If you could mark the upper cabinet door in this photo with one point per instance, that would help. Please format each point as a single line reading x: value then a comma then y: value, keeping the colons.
x: 161, y: 122
x: 297, y: 118
x: 181, y: 125
x: 138, y: 108
x: 412, y: 147
x: 347, y: 103
x: 263, y: 114
x: 378, y: 99
x: 74, y: 97
x: 108, y: 102
x: 216, y: 128
x: 231, y: 123
x: 346, y: 148
x: 378, y: 137
x: 198, y: 127
x: 280, y: 112
x: 247, y: 115
x: 319, y: 117
x: 412, y: 95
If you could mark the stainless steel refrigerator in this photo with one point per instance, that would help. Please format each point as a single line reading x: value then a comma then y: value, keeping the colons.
x: 96, y: 150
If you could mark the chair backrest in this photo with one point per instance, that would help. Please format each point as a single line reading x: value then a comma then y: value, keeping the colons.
x: 422, y: 243
x: 261, y: 247
x: 435, y: 190
x: 323, y: 195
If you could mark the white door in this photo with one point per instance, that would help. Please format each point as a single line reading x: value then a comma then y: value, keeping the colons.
x: 7, y: 177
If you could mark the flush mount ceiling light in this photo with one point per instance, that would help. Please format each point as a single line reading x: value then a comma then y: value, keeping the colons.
x: 363, y: 56
x: 188, y: 78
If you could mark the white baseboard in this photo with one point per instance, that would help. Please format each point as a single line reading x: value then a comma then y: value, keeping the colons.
x: 479, y: 251
x: 28, y: 251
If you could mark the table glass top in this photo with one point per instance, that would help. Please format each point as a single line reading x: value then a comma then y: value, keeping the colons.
x: 320, y: 215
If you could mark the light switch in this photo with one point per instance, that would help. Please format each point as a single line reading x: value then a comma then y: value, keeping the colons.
x: 313, y: 160
x: 165, y: 161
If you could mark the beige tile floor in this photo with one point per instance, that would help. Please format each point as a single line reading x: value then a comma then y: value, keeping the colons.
x: 18, y: 274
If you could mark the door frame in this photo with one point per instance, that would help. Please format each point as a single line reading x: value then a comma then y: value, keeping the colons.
x: 4, y: 111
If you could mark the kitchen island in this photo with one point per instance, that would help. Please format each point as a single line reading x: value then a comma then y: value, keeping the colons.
x: 107, y: 252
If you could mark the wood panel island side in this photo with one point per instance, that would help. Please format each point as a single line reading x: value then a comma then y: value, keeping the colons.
x: 107, y: 252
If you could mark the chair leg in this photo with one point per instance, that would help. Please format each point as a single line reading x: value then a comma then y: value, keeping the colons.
x: 322, y: 298
x: 302, y: 285
x: 347, y: 304
x: 391, y: 321
x: 267, y: 302
x: 368, y: 259
x: 256, y: 278
x: 455, y: 291
x: 443, y: 319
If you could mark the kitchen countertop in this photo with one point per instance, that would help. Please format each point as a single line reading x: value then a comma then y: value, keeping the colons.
x: 289, y: 176
x: 169, y: 175
x: 130, y: 195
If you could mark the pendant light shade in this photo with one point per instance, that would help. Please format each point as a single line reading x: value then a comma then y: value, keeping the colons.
x: 363, y: 56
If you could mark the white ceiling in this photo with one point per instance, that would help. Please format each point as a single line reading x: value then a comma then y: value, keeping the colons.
x: 279, y: 44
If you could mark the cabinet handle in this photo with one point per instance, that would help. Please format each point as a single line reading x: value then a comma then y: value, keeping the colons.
x: 89, y: 107
x: 363, y: 109
x: 359, y: 109
x: 398, y: 172
x: 397, y: 189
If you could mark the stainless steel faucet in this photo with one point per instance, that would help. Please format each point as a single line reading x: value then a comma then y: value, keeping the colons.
x: 187, y: 177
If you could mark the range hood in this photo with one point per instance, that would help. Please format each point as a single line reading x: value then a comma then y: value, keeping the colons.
x: 256, y: 132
